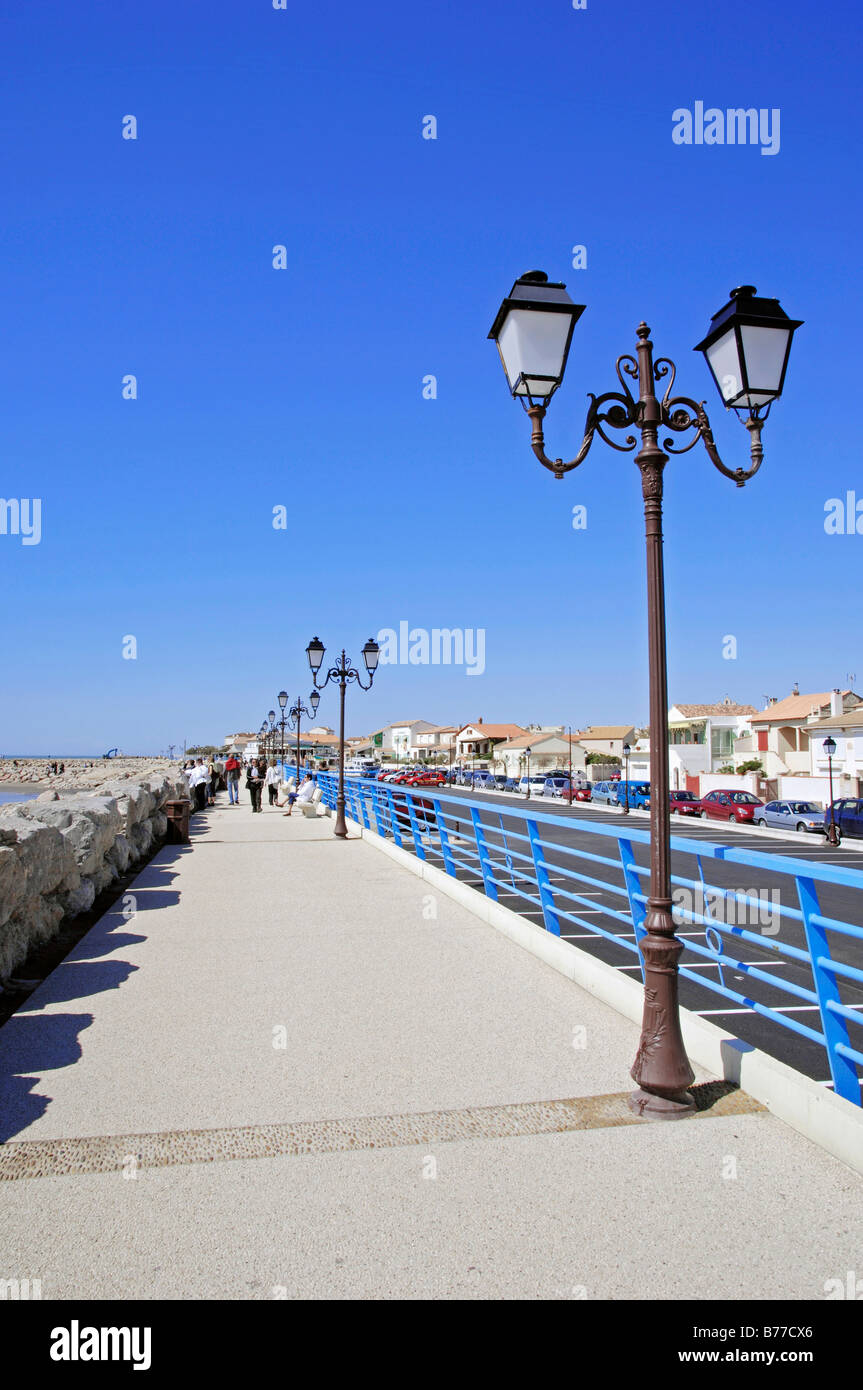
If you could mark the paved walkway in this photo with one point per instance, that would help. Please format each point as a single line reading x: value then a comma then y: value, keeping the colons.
x: 294, y: 1072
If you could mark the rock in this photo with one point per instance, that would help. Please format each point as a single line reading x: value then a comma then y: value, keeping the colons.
x: 81, y: 899
x: 48, y: 796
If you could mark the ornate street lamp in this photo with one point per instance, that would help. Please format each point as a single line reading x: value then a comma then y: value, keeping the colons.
x: 295, y: 717
x: 829, y: 746
x: 746, y: 348
x: 527, y: 788
x: 626, y: 752
x: 283, y: 700
x: 343, y: 673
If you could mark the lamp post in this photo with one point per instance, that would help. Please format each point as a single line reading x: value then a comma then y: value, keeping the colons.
x: 283, y: 700
x: 295, y: 719
x: 626, y: 752
x: 343, y: 672
x: 829, y: 746
x: 527, y: 788
x: 746, y: 348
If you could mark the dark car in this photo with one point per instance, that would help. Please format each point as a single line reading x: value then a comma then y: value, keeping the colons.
x: 730, y: 805
x: 847, y: 817
x: 684, y: 804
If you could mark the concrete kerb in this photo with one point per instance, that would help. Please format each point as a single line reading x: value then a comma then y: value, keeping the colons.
x: 814, y: 1111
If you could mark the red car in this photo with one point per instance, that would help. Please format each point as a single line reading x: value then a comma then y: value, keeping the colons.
x: 425, y: 779
x: 730, y: 805
x: 684, y: 804
x: 575, y: 794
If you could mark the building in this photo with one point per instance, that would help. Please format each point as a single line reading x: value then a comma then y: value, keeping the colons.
x: 607, y: 738
x: 704, y: 738
x: 396, y: 740
x: 781, y: 732
x: 436, y: 744
x: 847, y: 732
x: 548, y: 750
x: 479, y: 740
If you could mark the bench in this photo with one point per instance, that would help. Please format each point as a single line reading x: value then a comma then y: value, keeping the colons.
x: 310, y: 808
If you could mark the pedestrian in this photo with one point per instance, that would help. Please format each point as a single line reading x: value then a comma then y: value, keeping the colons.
x: 232, y: 776
x: 212, y: 782
x: 199, y: 781
x: 255, y: 784
x: 272, y: 781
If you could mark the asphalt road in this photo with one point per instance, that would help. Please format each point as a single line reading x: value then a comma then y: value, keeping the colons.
x: 774, y: 889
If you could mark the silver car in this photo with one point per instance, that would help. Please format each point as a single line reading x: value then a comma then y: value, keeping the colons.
x: 805, y: 816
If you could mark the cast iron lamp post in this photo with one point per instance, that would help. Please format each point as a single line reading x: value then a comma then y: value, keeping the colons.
x: 626, y: 752
x: 295, y: 719
x: 343, y: 673
x: 746, y: 349
x: 283, y: 700
x: 527, y: 789
x: 829, y: 746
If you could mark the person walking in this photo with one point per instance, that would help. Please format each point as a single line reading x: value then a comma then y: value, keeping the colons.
x: 272, y: 781
x: 255, y: 784
x: 232, y: 777
x: 212, y: 782
x: 199, y: 781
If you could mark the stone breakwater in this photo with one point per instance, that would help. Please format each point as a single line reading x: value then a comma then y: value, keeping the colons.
x: 20, y: 774
x: 58, y: 852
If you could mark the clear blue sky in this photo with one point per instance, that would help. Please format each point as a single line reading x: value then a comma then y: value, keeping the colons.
x: 303, y: 387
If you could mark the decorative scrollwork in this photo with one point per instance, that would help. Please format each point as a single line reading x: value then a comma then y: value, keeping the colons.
x: 661, y: 367
x: 680, y: 414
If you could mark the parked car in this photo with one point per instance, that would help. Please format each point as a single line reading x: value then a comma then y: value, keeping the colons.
x: 684, y: 803
x: 555, y: 786
x: 605, y: 793
x: 634, y: 794
x: 484, y: 779
x: 427, y: 778
x: 510, y: 784
x: 803, y: 816
x: 537, y: 784
x: 847, y: 816
x: 730, y: 805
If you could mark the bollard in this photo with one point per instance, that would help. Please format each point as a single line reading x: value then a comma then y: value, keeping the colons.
x: 178, y: 821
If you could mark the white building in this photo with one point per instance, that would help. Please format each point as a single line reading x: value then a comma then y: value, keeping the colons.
x: 782, y: 731
x: 846, y: 730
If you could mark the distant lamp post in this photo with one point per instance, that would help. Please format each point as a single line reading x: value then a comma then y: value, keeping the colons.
x: 829, y: 746
x: 626, y: 752
x: 283, y: 700
x: 527, y: 779
x: 746, y: 349
x: 295, y: 719
x: 343, y: 673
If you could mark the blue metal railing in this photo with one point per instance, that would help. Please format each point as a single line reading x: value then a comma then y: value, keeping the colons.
x: 571, y: 888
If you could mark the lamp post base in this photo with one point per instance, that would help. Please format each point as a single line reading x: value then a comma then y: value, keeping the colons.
x: 341, y: 828
x: 653, y: 1107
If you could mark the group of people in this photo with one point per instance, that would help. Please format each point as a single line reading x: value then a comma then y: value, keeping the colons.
x: 205, y: 779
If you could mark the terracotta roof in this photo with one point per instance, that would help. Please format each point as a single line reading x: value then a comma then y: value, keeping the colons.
x: 795, y: 707
x: 607, y: 731
x: 723, y: 707
x: 854, y: 720
x: 528, y: 740
x: 493, y: 730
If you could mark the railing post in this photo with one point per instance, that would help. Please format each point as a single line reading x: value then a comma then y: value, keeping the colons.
x: 632, y: 881
x: 546, y: 892
x: 394, y: 820
x: 419, y: 847
x: 485, y: 863
x: 448, y: 861
x: 833, y: 1025
x: 376, y: 805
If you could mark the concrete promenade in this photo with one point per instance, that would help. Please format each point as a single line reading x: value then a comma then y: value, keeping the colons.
x: 291, y: 1070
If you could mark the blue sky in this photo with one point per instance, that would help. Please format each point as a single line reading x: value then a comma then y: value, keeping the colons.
x: 303, y: 387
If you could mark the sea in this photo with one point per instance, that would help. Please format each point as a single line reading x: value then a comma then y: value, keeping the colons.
x: 17, y: 796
